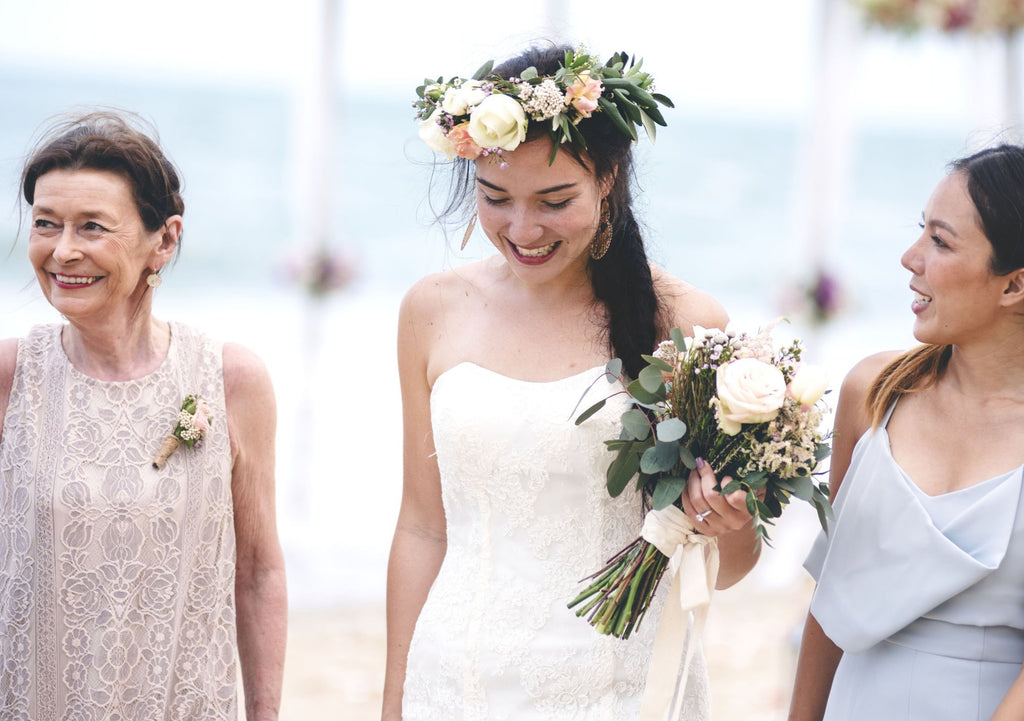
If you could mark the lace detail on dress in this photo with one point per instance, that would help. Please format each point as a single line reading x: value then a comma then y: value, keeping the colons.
x: 116, y: 580
x: 528, y: 515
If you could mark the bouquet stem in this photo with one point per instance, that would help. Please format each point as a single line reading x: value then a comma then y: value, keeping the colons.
x: 619, y: 594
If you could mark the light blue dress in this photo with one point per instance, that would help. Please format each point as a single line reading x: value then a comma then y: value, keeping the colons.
x: 924, y: 594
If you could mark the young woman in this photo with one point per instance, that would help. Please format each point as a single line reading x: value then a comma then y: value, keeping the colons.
x: 504, y: 505
x: 919, y: 609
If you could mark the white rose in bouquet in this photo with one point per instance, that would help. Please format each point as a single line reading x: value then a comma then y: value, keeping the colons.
x: 808, y: 385
x: 749, y: 391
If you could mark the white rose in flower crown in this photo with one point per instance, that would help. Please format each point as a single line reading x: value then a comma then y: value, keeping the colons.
x: 498, y: 122
x: 433, y: 135
x: 458, y: 101
x: 749, y: 391
x: 808, y: 385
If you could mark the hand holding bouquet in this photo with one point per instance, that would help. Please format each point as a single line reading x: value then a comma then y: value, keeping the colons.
x: 748, y: 409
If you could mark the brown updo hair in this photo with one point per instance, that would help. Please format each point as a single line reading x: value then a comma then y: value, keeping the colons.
x: 112, y: 141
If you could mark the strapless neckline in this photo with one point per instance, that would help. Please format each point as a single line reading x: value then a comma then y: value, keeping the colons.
x: 470, y: 365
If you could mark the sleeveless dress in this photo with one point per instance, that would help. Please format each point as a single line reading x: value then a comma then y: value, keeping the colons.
x: 528, y: 516
x: 924, y: 594
x: 116, y: 579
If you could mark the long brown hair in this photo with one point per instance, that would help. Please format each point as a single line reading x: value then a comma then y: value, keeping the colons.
x: 915, y: 370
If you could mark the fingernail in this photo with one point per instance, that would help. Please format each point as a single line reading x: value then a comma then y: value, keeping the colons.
x: 700, y: 463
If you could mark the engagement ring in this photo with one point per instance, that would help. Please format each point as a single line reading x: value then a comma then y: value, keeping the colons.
x: 702, y: 516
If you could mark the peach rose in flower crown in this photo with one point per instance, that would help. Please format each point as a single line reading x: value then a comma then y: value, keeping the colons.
x: 465, y: 146
x: 749, y: 391
x: 583, y: 94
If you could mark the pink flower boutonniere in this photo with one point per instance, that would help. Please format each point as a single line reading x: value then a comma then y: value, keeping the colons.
x: 191, y: 427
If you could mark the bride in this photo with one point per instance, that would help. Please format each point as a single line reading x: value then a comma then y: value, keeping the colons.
x: 504, y: 505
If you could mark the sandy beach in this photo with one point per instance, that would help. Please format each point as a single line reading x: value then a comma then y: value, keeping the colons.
x: 335, y: 666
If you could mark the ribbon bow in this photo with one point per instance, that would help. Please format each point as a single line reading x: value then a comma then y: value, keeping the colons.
x: 693, y: 563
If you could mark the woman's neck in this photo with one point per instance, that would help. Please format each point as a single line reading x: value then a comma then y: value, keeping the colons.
x: 117, y: 351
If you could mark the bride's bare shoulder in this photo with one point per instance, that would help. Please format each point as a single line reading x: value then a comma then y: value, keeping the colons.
x: 685, y: 305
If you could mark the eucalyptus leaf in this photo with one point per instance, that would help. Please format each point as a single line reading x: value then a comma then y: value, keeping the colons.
x: 678, y: 339
x: 651, y: 379
x: 643, y: 396
x: 670, y: 429
x: 659, y: 363
x: 667, y: 490
x: 822, y: 452
x: 731, y: 487
x: 614, y: 368
x: 803, y: 487
x: 687, y: 457
x: 590, y: 411
x: 660, y: 457
x: 529, y: 74
x: 623, y: 468
x: 756, y: 480
x: 636, y: 423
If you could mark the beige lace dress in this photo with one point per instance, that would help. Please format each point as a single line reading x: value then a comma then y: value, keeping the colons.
x: 116, y: 579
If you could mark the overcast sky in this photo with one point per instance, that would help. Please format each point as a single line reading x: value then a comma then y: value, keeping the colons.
x: 748, y: 55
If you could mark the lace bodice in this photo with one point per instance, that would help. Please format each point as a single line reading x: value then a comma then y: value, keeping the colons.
x: 527, y: 516
x: 116, y: 580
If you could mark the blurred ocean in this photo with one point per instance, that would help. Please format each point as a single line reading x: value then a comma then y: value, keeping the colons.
x: 721, y: 198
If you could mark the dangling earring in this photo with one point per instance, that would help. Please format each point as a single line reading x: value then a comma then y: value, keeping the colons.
x: 153, y: 280
x: 603, y: 238
x: 469, y: 232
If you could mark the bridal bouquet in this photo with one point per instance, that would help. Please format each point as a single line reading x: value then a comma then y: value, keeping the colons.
x: 748, y: 409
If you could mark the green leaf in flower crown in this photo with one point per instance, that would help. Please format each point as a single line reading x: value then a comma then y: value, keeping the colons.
x: 614, y: 368
x: 591, y: 411
x: 616, y: 117
x: 659, y: 458
x: 623, y: 468
x: 670, y: 429
x: 644, y: 396
x: 667, y: 490
x: 649, y: 126
x: 635, y: 422
x: 483, y: 71
x: 652, y: 379
x: 687, y: 457
x: 529, y: 74
x: 663, y: 99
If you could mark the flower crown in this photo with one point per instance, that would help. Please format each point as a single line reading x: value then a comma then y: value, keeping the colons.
x: 485, y: 115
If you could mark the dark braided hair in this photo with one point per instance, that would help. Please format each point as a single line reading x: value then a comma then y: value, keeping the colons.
x: 621, y: 280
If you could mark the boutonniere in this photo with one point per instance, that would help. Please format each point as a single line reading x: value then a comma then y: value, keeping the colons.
x: 190, y: 428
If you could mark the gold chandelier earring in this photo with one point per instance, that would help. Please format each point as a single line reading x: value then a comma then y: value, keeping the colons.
x: 469, y: 232
x: 603, y: 237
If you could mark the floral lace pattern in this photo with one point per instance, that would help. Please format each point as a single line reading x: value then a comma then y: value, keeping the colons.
x: 527, y: 516
x: 116, y: 579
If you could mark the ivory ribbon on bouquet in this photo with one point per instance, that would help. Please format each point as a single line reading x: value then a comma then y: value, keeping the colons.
x: 693, y: 563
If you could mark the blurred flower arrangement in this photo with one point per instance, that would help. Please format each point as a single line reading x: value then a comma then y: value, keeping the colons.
x: 749, y: 410
x: 322, y: 272
x: 946, y: 15
x: 818, y: 299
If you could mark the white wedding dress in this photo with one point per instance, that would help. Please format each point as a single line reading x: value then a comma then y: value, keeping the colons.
x: 528, y: 516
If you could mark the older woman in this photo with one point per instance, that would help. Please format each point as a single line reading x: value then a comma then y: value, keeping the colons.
x: 124, y: 585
